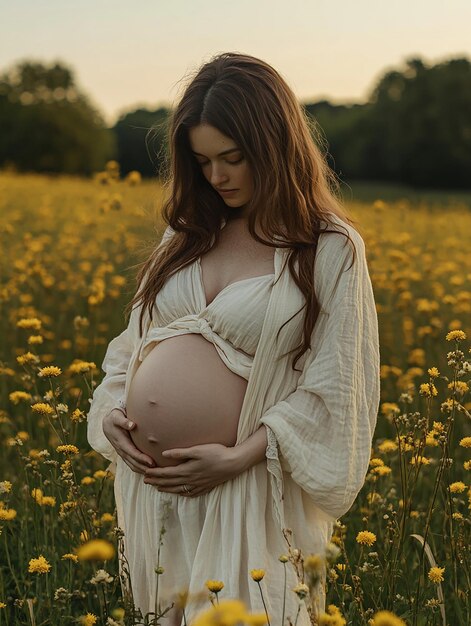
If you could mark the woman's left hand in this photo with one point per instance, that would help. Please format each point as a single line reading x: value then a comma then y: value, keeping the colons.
x: 206, y: 466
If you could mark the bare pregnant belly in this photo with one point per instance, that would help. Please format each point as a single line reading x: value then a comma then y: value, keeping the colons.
x: 184, y: 395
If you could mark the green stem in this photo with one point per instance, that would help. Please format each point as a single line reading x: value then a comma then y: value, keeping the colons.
x: 263, y: 600
x: 284, y: 598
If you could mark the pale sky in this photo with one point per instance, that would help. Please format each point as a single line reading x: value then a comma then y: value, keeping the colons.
x: 125, y: 55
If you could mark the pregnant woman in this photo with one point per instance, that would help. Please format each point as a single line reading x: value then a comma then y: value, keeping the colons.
x: 238, y: 406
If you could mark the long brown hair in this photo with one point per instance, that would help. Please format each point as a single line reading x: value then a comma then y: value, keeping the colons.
x: 294, y: 188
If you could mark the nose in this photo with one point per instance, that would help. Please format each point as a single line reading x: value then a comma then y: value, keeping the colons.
x: 218, y: 175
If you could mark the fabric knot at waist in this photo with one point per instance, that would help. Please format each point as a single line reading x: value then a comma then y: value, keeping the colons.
x: 236, y: 360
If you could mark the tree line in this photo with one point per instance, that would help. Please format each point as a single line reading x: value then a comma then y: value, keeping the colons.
x: 414, y: 128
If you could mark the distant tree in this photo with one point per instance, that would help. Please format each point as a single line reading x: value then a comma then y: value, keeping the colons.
x: 415, y: 127
x: 420, y: 124
x: 47, y: 125
x: 141, y: 140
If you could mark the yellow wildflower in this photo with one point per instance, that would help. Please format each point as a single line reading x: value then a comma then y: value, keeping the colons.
x: 227, y: 612
x: 68, y: 449
x: 447, y: 406
x: 375, y: 462
x: 34, y: 340
x: 69, y: 557
x: 43, y: 408
x: 6, y: 515
x: 49, y: 371
x: 257, y: 574
x: 5, y: 486
x: 96, y: 550
x: 81, y: 367
x: 365, y: 537
x: 66, y: 507
x: 430, y: 439
x: 37, y: 494
x: 467, y: 465
x: 107, y: 518
x: 332, y: 617
x: 48, y: 501
x: 27, y: 357
x: 31, y: 323
x: 419, y: 460
x: 428, y: 390
x: 435, y: 574
x: 381, y: 470
x: 465, y: 442
x: 405, y: 446
x: 101, y: 474
x: 39, y: 565
x: 457, y: 487
x: 2, y: 605
x: 77, y: 415
x: 387, y: 446
x: 433, y: 372
x: 386, y: 618
x: 87, y: 480
x: 459, y: 335
x: 89, y: 619
x: 16, y: 397
x: 457, y: 516
x: 459, y: 386
x: 215, y: 585
x: 390, y: 407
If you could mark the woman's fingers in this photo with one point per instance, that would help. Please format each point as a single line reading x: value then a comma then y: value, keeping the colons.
x: 127, y: 446
x: 121, y: 440
x: 132, y: 465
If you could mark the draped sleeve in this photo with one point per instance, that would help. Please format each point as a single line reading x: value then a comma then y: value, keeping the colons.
x: 324, y: 428
x: 109, y: 394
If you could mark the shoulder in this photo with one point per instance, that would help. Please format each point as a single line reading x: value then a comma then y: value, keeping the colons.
x: 335, y: 244
x: 336, y: 263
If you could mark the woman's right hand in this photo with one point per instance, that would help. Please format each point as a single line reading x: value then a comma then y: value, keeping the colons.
x: 116, y: 427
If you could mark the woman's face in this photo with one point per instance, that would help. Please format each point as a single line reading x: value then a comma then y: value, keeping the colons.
x: 222, y: 163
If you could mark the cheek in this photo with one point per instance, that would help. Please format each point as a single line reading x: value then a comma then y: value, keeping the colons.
x: 247, y: 179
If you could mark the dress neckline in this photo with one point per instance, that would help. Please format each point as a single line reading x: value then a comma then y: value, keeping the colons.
x: 235, y: 282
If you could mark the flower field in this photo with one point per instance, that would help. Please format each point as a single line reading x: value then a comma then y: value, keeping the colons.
x: 401, y: 554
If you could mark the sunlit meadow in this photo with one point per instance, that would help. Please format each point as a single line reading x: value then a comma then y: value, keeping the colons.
x: 400, y: 555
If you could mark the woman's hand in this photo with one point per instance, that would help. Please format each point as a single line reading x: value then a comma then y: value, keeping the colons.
x: 116, y: 428
x: 202, y: 468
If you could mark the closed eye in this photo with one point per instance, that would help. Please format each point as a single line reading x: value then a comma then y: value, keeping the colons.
x: 229, y: 162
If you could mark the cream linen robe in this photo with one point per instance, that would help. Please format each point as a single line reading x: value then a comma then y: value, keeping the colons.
x: 322, y: 420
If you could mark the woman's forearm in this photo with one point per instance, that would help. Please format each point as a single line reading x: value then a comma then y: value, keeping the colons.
x: 251, y: 451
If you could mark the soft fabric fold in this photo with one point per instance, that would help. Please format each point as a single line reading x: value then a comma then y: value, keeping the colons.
x: 325, y: 427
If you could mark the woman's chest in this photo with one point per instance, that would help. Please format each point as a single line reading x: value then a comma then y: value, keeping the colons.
x: 234, y: 258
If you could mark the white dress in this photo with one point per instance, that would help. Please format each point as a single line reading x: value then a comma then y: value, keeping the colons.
x: 319, y: 434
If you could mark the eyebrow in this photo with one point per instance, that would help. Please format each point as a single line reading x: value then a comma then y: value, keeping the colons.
x: 221, y: 153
